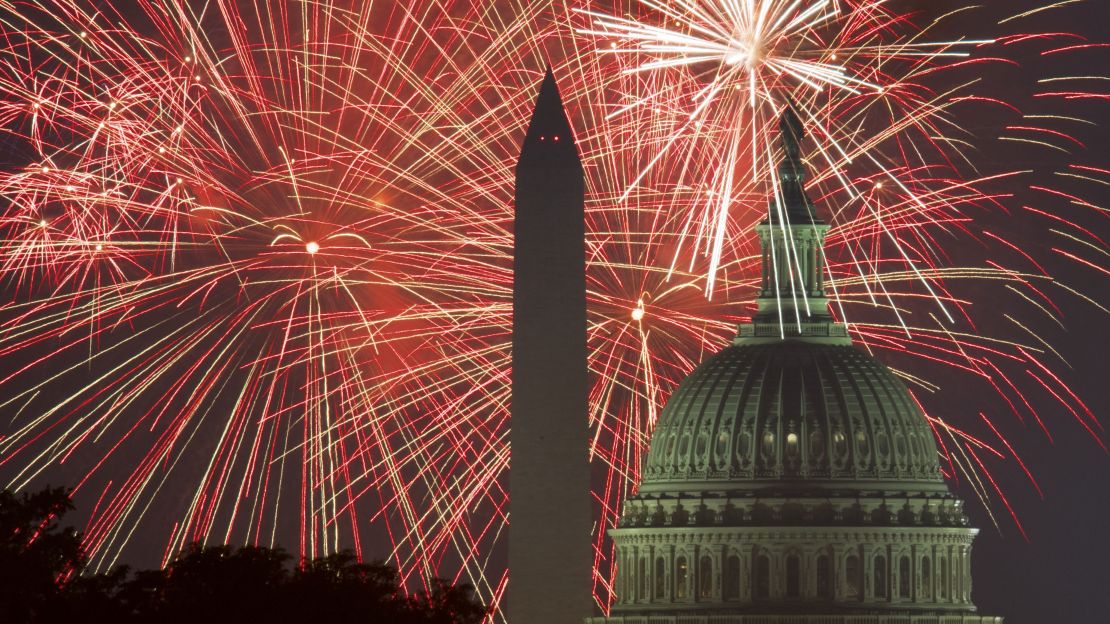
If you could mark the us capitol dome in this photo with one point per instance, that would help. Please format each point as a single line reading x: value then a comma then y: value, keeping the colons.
x: 791, y: 478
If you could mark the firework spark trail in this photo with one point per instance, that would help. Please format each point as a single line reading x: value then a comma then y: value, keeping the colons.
x: 259, y: 257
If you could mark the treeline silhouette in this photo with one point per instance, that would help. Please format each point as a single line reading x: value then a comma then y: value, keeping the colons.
x: 42, y: 579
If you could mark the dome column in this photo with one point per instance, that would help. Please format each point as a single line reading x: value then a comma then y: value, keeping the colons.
x: 668, y: 587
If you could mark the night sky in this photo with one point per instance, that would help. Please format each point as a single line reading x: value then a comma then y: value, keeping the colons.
x: 1060, y: 572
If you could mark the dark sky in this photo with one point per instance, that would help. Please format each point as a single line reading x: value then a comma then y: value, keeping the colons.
x: 1061, y: 573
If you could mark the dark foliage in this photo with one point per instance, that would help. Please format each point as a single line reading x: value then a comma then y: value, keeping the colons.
x: 39, y: 582
x: 34, y: 551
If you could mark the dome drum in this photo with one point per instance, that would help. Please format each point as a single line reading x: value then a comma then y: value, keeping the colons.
x: 838, y: 570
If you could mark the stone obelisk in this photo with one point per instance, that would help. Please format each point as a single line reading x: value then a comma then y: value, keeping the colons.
x: 549, y: 483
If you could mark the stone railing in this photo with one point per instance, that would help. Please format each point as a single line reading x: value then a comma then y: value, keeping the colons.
x: 799, y: 619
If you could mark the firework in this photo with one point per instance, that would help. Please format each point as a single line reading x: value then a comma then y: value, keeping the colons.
x: 258, y: 257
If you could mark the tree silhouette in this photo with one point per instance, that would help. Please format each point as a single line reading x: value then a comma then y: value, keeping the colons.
x: 35, y: 553
x: 338, y: 586
x: 40, y: 581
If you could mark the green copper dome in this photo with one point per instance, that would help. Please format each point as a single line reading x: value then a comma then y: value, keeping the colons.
x: 792, y: 416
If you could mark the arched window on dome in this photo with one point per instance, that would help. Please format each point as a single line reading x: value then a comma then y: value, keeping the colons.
x: 792, y: 445
x: 816, y: 445
x: 761, y: 580
x: 926, y: 578
x: 840, y: 444
x: 660, y: 578
x: 880, y: 577
x: 681, y: 572
x: 721, y: 450
x: 701, y: 448
x: 862, y: 447
x: 793, y: 577
x: 769, y: 445
x: 731, y: 581
x: 824, y: 577
x: 905, y: 576
x: 853, y: 577
x: 705, y: 577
